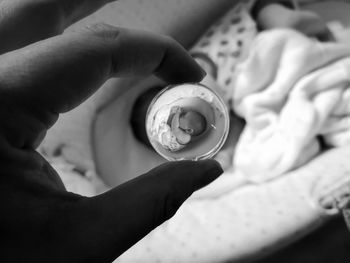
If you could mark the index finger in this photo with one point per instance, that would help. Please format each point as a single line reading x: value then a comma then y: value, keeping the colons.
x: 39, y: 19
x: 61, y: 72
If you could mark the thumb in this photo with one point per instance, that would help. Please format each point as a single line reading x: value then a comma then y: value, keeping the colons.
x: 112, y: 222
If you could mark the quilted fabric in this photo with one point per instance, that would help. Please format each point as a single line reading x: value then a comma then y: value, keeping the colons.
x: 246, y: 224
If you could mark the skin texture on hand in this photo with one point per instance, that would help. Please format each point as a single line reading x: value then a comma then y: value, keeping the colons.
x: 43, y: 74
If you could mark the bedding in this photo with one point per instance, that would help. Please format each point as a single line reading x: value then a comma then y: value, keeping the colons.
x: 290, y: 90
x: 216, y: 224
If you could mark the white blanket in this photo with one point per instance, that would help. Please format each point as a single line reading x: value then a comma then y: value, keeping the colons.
x: 290, y: 90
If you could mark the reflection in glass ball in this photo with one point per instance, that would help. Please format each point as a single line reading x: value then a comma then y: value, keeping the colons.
x: 187, y: 122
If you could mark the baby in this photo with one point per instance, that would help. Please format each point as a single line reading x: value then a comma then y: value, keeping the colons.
x: 223, y: 37
x: 226, y: 44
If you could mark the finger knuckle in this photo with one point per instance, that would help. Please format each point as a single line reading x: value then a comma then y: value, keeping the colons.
x: 170, y: 40
x: 103, y: 30
x: 169, y: 203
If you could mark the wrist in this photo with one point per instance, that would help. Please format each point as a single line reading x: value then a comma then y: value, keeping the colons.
x: 274, y: 15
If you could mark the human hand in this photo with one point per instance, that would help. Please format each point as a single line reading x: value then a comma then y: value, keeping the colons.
x: 40, y: 221
x: 307, y: 22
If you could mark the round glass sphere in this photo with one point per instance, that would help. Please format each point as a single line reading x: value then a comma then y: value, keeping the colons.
x: 187, y: 122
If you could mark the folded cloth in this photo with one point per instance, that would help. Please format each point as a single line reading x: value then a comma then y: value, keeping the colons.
x: 290, y: 90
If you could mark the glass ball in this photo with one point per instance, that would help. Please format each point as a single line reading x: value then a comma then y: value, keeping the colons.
x: 187, y: 122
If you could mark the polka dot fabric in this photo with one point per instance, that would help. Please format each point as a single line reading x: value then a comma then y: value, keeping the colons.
x: 246, y: 224
x: 225, y: 44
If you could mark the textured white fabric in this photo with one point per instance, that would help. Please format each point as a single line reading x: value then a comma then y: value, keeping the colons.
x: 248, y: 223
x: 290, y: 90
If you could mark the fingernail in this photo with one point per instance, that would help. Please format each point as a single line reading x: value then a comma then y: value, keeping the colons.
x: 203, y: 73
x: 202, y: 70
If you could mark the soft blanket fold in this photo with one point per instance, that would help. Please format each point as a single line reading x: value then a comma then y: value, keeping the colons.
x: 290, y: 90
